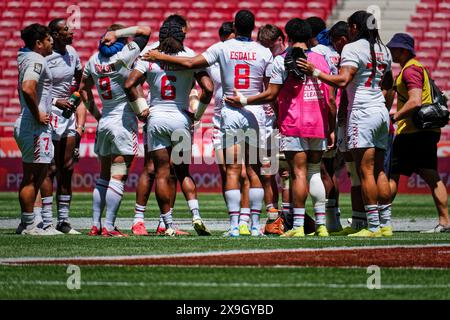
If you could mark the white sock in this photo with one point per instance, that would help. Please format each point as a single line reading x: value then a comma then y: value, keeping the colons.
x: 244, y: 217
x: 385, y: 211
x: 161, y: 221
x: 37, y: 215
x: 63, y: 207
x: 233, y: 199
x: 317, y: 191
x: 138, y: 213
x: 168, y: 219
x: 256, y: 214
x: 299, y: 217
x: 113, y: 198
x: 99, y: 201
x: 47, y: 211
x: 27, y: 219
x: 373, y: 218
x: 271, y: 215
x: 193, y: 206
x: 256, y: 196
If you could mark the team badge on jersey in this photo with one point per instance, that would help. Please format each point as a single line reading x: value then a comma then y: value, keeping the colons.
x: 131, y: 46
x: 38, y: 68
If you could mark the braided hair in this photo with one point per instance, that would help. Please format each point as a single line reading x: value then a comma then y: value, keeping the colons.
x: 368, y: 29
x: 171, y: 37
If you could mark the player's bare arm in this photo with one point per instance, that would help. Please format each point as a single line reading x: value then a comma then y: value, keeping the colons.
x: 341, y: 80
x: 267, y: 96
x: 111, y: 36
x: 136, y: 100
x: 207, y: 87
x: 186, y: 62
x: 30, y: 95
x: 87, y: 97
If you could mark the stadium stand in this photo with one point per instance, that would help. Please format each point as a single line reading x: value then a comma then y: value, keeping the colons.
x: 427, y: 20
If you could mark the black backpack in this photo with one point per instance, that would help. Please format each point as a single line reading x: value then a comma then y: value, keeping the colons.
x: 434, y: 115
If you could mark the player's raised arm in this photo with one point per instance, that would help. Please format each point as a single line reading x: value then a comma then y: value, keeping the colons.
x: 141, y: 35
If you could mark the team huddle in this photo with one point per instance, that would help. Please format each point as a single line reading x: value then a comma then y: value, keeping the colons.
x: 299, y: 103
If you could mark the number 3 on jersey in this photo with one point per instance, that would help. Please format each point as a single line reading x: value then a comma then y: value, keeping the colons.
x: 105, y: 86
x: 242, y: 76
x: 168, y: 91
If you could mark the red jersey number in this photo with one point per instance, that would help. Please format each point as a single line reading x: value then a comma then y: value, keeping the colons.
x: 381, y: 67
x: 242, y: 76
x: 105, y: 86
x: 168, y: 91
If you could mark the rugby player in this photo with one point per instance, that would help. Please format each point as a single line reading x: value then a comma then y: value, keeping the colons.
x: 116, y: 141
x: 65, y: 66
x: 304, y: 137
x: 249, y: 62
x: 365, y: 62
x: 170, y: 88
x: 32, y: 130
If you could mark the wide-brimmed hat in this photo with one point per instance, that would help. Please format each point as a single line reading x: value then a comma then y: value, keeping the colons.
x: 402, y: 40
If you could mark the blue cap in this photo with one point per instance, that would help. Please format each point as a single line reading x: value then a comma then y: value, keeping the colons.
x: 402, y: 40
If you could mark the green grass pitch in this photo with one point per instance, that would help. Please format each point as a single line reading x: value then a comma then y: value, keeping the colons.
x: 202, y: 282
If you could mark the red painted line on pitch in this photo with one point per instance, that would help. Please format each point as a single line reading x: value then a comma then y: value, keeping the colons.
x: 431, y: 257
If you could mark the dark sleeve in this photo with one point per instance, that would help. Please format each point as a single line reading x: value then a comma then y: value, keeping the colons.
x: 141, y: 41
x: 413, y: 77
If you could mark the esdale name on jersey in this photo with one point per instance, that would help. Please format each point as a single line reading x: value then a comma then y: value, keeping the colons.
x: 239, y: 55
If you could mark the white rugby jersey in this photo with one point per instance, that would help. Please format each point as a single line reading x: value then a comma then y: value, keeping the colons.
x: 364, y: 91
x: 243, y: 65
x: 110, y: 74
x: 170, y: 85
x: 32, y: 66
x: 331, y: 56
x: 214, y: 74
x: 63, y: 69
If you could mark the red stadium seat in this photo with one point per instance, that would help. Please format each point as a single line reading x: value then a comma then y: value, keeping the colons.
x: 198, y: 15
x: 294, y: 5
x: 272, y: 5
x: 54, y: 14
x: 111, y: 5
x: 202, y: 5
x: 251, y: 5
x: 133, y: 5
x: 435, y: 34
x: 432, y: 44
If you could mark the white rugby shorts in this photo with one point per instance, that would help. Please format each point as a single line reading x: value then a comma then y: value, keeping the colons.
x: 368, y: 128
x: 34, y: 141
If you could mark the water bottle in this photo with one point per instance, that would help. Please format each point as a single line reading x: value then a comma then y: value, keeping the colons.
x: 74, y: 101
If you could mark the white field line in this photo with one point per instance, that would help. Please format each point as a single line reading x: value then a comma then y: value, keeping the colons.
x: 217, y: 284
x: 206, y: 254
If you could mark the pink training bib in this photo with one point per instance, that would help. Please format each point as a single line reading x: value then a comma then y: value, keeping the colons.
x: 303, y: 106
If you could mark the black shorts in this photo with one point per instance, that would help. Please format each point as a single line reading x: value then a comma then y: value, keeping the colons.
x: 413, y: 151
